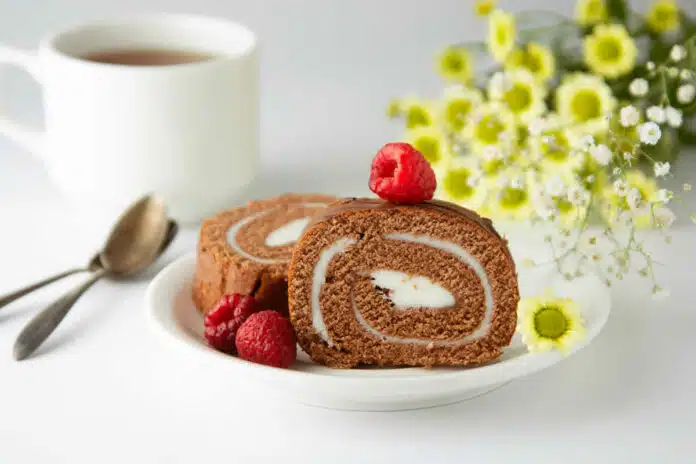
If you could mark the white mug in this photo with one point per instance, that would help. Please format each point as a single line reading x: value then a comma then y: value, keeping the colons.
x: 188, y: 132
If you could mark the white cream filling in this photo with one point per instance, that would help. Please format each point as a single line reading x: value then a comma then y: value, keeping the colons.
x: 290, y: 230
x: 319, y: 277
x: 407, y: 291
x: 287, y: 233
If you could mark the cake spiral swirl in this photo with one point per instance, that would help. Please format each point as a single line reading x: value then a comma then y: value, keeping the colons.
x: 375, y: 283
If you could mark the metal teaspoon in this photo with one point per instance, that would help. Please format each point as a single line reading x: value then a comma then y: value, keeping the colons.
x: 94, y: 265
x: 133, y: 244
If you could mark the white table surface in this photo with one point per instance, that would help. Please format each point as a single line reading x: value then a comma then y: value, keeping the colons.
x: 104, y: 388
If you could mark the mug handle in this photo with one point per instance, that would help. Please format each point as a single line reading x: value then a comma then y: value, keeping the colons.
x: 27, y: 138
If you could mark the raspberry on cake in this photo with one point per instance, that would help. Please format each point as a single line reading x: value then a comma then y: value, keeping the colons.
x: 376, y: 283
x: 246, y: 250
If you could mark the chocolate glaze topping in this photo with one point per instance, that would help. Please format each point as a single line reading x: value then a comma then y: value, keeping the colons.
x: 348, y: 204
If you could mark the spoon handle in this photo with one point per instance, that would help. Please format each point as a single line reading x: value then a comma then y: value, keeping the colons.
x: 43, y: 324
x: 19, y: 293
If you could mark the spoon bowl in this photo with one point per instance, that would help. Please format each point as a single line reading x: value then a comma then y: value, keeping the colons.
x: 136, y: 239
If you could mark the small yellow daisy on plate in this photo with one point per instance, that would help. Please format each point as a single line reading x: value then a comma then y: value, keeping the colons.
x: 502, y: 33
x: 663, y: 16
x: 510, y: 199
x: 520, y: 91
x: 484, y: 7
x: 610, y: 51
x: 455, y: 64
x: 547, y: 322
x: 492, y: 124
x: 626, y: 197
x: 584, y: 100
x: 554, y: 146
x: 431, y: 142
x: 417, y: 113
x: 536, y: 58
x: 459, y: 180
x: 590, y: 12
x: 457, y: 106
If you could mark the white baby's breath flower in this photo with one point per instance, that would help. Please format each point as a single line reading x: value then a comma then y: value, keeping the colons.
x: 616, y: 171
x: 638, y: 87
x: 628, y: 156
x: 517, y: 182
x: 686, y: 93
x: 656, y: 113
x: 650, y: 66
x: 621, y: 187
x: 650, y: 133
x: 629, y: 116
x: 686, y: 187
x: 585, y: 142
x: 500, y: 83
x: 474, y: 178
x: 544, y: 206
x: 674, y: 116
x: 633, y: 198
x: 536, y: 127
x: 601, y: 153
x: 577, y: 195
x: 555, y: 186
x: 664, y: 196
x: 677, y: 53
x: 685, y: 74
x: 590, y: 179
x: 491, y: 152
x: 661, y: 169
x: 664, y: 217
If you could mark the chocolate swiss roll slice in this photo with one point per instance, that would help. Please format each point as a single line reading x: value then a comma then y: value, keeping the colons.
x: 247, y: 249
x: 374, y: 283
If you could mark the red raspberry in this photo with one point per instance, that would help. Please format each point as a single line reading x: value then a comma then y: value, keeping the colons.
x: 401, y: 174
x: 222, y: 323
x: 267, y: 338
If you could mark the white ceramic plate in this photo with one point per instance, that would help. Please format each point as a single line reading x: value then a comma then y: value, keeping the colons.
x: 174, y: 316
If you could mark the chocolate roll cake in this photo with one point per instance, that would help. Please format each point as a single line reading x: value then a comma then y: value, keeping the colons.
x: 246, y: 250
x: 376, y: 283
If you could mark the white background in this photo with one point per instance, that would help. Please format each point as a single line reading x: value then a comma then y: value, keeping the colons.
x: 104, y: 389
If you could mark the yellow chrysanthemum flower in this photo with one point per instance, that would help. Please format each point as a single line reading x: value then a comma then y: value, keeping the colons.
x: 456, y: 65
x: 491, y: 125
x: 536, y: 58
x: 484, y: 7
x: 547, y: 322
x: 663, y: 16
x: 616, y: 203
x: 512, y: 200
x: 610, y: 51
x: 584, y: 100
x: 590, y: 12
x: 431, y: 142
x: 417, y: 113
x: 502, y: 33
x: 520, y: 92
x: 457, y: 106
x: 458, y: 181
x: 554, y: 146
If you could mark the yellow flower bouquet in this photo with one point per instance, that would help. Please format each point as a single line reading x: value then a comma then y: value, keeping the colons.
x: 574, y: 122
